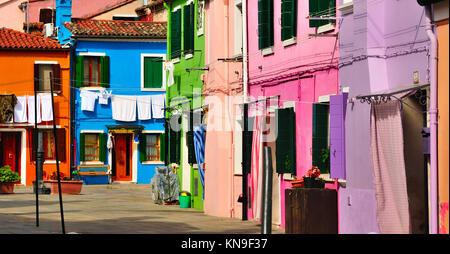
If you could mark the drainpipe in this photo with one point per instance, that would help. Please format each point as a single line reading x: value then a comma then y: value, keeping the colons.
x: 73, y: 160
x: 245, y: 49
x: 433, y: 120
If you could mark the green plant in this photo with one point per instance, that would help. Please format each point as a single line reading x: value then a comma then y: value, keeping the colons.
x: 325, y: 155
x: 7, y: 175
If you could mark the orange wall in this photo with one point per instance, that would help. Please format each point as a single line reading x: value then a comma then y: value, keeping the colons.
x: 443, y: 132
x: 17, y: 74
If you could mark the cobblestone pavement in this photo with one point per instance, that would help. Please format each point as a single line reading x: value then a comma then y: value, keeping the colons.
x: 111, y: 209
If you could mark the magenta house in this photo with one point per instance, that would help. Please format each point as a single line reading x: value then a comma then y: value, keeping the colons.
x: 293, y: 54
x: 384, y: 54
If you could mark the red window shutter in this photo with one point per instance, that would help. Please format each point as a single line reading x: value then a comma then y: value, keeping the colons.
x: 61, y: 137
x: 56, y: 82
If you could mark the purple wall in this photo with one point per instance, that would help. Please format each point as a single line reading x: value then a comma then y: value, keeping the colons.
x: 389, y: 32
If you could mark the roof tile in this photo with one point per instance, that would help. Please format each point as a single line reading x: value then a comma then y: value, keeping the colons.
x: 12, y: 39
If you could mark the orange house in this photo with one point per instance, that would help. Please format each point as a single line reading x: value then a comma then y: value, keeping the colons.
x: 28, y: 61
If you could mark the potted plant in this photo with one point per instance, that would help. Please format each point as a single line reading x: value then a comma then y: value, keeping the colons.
x: 311, y: 179
x: 68, y: 186
x: 7, y: 180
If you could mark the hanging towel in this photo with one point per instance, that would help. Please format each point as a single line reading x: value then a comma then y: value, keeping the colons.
x: 20, y: 110
x: 144, y: 104
x: 47, y: 112
x: 103, y: 97
x: 88, y: 100
x: 7, y: 104
x: 169, y: 66
x: 123, y: 108
x: 31, y: 109
x: 199, y: 145
x: 158, y: 105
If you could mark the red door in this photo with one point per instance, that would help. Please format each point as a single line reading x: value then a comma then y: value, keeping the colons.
x: 11, y: 150
x: 122, y: 158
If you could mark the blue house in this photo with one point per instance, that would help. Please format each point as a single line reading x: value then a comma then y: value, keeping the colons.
x: 119, y: 96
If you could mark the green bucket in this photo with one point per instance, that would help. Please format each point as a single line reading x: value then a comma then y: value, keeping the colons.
x: 185, y: 201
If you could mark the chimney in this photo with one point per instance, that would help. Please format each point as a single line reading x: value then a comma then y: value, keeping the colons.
x: 63, y: 14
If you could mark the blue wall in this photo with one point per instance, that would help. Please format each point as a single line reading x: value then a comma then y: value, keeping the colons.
x: 125, y: 79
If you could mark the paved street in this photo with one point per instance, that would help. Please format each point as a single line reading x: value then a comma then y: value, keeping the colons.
x: 111, y: 209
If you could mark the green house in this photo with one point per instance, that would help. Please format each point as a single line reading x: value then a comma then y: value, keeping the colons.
x: 186, y: 50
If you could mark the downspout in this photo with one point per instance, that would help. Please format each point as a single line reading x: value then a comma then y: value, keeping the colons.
x: 72, y: 108
x: 227, y: 65
x: 245, y: 50
x: 433, y: 198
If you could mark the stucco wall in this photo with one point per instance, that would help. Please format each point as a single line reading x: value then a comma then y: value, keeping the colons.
x: 11, y: 16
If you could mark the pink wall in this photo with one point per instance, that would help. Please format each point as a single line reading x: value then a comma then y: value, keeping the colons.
x: 222, y: 187
x: 80, y: 8
x: 278, y: 74
x: 10, y: 15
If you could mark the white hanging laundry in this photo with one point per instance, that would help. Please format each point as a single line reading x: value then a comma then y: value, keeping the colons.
x: 144, y: 104
x: 47, y: 112
x: 20, y: 110
x: 88, y: 100
x: 109, y: 144
x: 103, y: 97
x: 123, y: 108
x: 158, y: 105
x: 31, y: 118
x: 170, y: 67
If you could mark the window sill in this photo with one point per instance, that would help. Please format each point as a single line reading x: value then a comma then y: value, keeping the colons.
x: 188, y: 56
x: 346, y: 8
x: 153, y: 89
x: 99, y: 88
x: 51, y: 162
x: 152, y: 163
x: 267, y: 51
x: 325, y: 28
x: 289, y: 42
x: 84, y: 163
x: 176, y: 60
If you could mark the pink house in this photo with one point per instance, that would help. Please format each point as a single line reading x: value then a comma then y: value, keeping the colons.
x: 293, y: 61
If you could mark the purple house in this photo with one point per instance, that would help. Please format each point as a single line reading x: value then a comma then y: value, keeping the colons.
x: 383, y: 65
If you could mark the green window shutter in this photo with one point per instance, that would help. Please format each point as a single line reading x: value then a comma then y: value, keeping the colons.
x: 79, y: 71
x: 82, y: 147
x: 153, y: 72
x: 188, y: 27
x: 320, y: 135
x: 270, y: 32
x: 248, y: 139
x: 142, y: 148
x: 265, y: 23
x: 104, y: 72
x: 162, y: 147
x: 174, y: 140
x: 288, y: 19
x: 175, y: 34
x: 286, y: 142
x: 319, y: 8
x: 102, y: 146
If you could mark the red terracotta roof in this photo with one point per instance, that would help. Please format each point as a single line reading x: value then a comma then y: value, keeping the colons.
x: 12, y: 39
x: 117, y: 29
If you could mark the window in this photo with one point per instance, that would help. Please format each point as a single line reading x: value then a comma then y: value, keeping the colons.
x: 175, y: 34
x: 321, y: 140
x: 288, y: 19
x: 46, y: 75
x: 93, y: 147
x: 286, y: 144
x: 152, y: 147
x: 200, y: 21
x: 188, y: 27
x: 153, y: 72
x: 265, y: 23
x: 48, y: 142
x: 238, y: 28
x: 319, y: 8
x: 47, y: 16
x: 92, y: 71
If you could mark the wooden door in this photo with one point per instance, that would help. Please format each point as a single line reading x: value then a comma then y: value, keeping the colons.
x: 122, y: 158
x: 11, y: 150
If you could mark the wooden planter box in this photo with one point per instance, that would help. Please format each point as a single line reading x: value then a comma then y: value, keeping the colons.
x: 67, y: 187
x: 7, y: 188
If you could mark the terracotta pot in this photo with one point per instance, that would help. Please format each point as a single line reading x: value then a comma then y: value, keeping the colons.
x: 7, y: 188
x: 67, y: 187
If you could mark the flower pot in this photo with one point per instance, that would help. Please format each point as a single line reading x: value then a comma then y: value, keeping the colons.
x: 67, y: 187
x: 7, y: 188
x: 309, y: 182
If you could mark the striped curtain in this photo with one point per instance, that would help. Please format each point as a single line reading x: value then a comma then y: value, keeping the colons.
x: 199, y: 146
x: 389, y: 168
